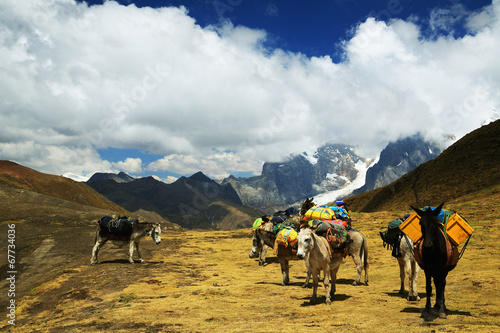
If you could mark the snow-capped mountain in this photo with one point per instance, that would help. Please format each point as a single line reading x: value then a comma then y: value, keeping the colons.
x: 330, y: 172
x: 329, y: 168
x: 397, y: 159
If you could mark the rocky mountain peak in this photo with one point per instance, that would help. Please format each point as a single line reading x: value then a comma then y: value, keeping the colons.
x: 397, y: 159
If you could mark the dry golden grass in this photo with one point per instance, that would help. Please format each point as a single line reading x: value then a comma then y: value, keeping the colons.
x: 205, y: 282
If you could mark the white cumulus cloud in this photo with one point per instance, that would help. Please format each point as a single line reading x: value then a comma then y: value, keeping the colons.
x: 77, y: 78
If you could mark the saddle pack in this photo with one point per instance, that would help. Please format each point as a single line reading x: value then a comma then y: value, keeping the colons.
x: 287, y: 237
x: 319, y: 213
x: 257, y: 223
x: 391, y: 236
x: 335, y: 234
x: 340, y: 213
x: 121, y: 226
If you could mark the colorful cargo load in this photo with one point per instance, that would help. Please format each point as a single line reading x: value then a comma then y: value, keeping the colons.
x: 456, y: 227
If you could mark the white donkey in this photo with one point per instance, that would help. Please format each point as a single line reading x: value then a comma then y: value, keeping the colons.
x: 315, y: 250
x: 132, y: 238
x: 408, y: 264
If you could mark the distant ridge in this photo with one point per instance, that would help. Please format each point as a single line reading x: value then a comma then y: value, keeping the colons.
x: 471, y: 164
x: 195, y: 202
x: 121, y: 177
x: 16, y: 176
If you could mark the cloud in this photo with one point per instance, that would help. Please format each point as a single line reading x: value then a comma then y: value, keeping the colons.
x: 58, y: 160
x: 130, y: 165
x: 77, y: 78
x: 210, y: 164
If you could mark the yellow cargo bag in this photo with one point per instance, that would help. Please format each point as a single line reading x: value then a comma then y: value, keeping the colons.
x: 257, y: 223
x: 287, y: 237
x: 319, y: 213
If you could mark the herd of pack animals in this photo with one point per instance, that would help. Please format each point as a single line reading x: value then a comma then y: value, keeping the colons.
x: 320, y: 255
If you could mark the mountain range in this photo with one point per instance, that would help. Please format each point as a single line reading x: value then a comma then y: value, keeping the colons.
x: 282, y: 184
x: 330, y: 168
x: 470, y: 164
x: 200, y: 202
x: 191, y: 202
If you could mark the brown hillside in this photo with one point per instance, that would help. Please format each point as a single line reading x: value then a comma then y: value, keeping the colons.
x: 17, y: 176
x: 471, y: 164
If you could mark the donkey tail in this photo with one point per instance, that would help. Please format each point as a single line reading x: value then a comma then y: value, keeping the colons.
x: 364, y: 249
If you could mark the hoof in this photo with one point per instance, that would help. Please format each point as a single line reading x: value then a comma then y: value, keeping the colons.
x: 442, y: 315
x: 264, y: 264
x: 328, y: 302
x: 413, y: 298
x: 426, y: 316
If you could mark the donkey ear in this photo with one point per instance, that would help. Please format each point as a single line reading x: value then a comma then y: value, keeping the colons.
x: 419, y: 212
x: 438, y: 209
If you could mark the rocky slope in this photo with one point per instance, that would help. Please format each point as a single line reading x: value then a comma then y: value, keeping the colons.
x: 16, y: 176
x: 397, y: 159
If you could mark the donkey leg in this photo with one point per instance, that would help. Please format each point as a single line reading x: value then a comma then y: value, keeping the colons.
x: 426, y: 314
x: 413, y: 278
x: 364, y: 261
x: 333, y: 275
x: 359, y: 269
x: 95, y: 251
x: 308, y: 276
x: 440, y: 306
x: 401, y: 275
x: 328, y: 289
x: 315, y: 277
x: 263, y: 253
x: 284, y: 269
x: 139, y: 255
x: 131, y: 252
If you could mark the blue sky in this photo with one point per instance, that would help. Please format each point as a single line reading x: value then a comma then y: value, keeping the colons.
x: 314, y: 28
x: 169, y: 88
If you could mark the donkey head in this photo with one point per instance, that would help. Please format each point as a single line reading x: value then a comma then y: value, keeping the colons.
x: 305, y: 241
x: 155, y: 233
x: 306, y: 205
x: 256, y: 245
x: 429, y: 224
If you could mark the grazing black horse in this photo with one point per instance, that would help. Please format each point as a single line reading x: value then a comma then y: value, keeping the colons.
x: 436, y: 256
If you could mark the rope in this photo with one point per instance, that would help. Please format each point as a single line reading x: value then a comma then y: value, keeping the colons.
x: 463, y: 249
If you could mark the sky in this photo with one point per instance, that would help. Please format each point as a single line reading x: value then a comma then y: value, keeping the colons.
x: 169, y: 88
